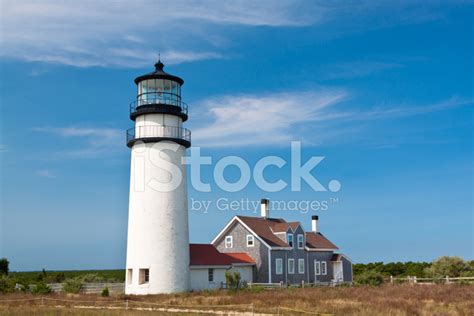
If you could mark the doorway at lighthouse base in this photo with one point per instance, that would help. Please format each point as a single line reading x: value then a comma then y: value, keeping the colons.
x: 208, y: 267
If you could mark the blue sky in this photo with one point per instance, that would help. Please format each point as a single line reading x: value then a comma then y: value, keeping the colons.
x: 383, y: 91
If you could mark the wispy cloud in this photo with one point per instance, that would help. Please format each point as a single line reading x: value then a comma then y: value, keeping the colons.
x: 272, y: 119
x: 46, y: 173
x: 93, y: 142
x: 356, y: 69
x: 126, y: 34
x: 313, y: 117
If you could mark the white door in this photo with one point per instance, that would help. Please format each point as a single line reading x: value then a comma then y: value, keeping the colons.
x: 337, y: 271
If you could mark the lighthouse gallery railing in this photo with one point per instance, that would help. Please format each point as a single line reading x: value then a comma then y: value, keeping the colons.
x: 158, y: 131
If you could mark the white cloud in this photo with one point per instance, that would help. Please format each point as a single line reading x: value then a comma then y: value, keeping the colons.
x: 312, y: 117
x: 129, y: 34
x: 262, y: 120
x: 93, y: 142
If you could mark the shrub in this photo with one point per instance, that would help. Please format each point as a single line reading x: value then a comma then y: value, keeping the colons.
x: 6, y: 284
x: 232, y: 280
x: 105, y: 292
x: 4, y: 266
x: 41, y: 288
x: 91, y: 277
x: 369, y: 278
x: 72, y: 285
x: 448, y: 266
x: 255, y: 289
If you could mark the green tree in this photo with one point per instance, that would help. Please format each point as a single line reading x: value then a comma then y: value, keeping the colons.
x: 4, y: 266
x: 448, y: 266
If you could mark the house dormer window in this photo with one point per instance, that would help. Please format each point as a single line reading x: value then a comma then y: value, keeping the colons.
x: 300, y: 242
x: 228, y: 241
x: 290, y: 240
x: 250, y: 241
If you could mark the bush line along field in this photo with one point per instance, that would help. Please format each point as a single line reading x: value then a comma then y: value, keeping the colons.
x: 452, y: 266
x: 32, y: 277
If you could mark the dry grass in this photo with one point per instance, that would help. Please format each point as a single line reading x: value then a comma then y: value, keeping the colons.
x: 385, y: 300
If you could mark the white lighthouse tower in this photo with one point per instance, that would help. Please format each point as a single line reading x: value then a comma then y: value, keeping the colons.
x: 158, y: 238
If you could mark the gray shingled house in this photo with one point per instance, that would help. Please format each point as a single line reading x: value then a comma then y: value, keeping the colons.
x: 283, y: 251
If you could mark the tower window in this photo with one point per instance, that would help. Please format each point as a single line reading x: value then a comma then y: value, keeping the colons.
x: 144, y: 276
x: 210, y: 275
x: 129, y: 276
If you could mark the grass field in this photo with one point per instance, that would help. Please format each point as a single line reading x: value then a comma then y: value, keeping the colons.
x: 362, y: 300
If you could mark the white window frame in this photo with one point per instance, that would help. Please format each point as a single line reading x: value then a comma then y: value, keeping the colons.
x: 229, y: 243
x: 324, y: 268
x: 279, y: 266
x: 292, y: 265
x: 301, y: 265
x: 292, y: 245
x: 250, y: 238
x: 300, y: 239
x: 317, y: 267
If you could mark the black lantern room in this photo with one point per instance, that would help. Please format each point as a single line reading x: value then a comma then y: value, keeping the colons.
x: 159, y: 92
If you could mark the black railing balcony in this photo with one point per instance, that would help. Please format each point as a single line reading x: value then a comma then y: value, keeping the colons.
x: 157, y: 133
x: 159, y: 102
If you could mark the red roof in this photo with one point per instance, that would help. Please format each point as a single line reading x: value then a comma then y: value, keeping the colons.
x: 208, y: 255
x: 318, y: 241
x: 261, y: 227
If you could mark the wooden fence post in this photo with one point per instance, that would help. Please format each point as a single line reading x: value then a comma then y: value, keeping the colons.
x: 447, y: 279
x: 391, y: 279
x: 281, y: 284
x: 415, y: 280
x: 302, y: 284
x: 126, y: 304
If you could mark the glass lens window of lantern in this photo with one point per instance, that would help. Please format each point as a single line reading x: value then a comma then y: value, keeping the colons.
x: 159, y: 85
x: 167, y: 86
x: 151, y: 86
x: 174, y: 87
x: 144, y: 91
